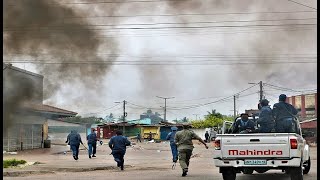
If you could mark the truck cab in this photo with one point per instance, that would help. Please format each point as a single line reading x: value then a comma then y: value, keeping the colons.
x: 260, y: 152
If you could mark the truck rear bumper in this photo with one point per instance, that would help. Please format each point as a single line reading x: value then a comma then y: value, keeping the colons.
x: 294, y: 162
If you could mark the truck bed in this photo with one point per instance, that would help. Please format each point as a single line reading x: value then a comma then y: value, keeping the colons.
x: 262, y: 145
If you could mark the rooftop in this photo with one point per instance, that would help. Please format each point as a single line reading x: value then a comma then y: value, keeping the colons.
x: 47, y: 108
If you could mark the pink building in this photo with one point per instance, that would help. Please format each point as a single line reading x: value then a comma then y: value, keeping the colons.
x: 306, y: 104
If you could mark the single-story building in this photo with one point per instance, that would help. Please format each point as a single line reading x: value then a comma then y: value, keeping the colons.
x: 309, y: 130
x: 25, y: 116
x: 109, y: 129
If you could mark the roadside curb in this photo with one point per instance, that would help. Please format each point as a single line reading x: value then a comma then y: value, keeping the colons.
x: 53, y: 170
x: 24, y: 173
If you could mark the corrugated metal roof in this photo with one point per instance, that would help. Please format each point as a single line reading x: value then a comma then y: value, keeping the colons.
x: 9, y: 66
x: 47, y: 108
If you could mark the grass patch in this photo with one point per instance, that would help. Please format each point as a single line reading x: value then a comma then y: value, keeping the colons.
x: 12, y: 162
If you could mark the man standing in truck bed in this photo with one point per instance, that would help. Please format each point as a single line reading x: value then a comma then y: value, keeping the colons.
x: 183, y: 139
x: 284, y: 114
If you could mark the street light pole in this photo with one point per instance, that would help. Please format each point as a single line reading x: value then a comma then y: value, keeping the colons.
x: 165, y: 105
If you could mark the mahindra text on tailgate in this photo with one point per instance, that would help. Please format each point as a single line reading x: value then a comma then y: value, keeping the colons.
x: 255, y: 146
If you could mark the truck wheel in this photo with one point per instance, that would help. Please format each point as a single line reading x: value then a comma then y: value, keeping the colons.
x: 229, y: 175
x: 247, y: 171
x: 307, y: 167
x: 296, y: 173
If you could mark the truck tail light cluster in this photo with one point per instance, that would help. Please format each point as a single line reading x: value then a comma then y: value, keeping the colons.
x: 217, y: 145
x: 293, y: 144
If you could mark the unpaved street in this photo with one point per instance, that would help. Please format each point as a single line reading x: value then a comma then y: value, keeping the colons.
x: 147, y: 162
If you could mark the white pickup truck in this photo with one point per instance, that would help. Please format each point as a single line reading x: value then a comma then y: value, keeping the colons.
x: 260, y: 152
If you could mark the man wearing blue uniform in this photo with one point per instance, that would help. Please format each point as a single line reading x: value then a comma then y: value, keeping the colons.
x: 173, y: 145
x: 284, y: 114
x: 92, y: 143
x: 243, y: 125
x: 74, y: 140
x: 118, y: 145
x: 265, y: 120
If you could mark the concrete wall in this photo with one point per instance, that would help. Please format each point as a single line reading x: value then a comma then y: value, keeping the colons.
x: 201, y: 132
x: 58, y: 131
x: 60, y: 138
x: 17, y: 80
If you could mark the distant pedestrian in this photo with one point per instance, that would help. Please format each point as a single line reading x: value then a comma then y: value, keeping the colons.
x: 206, y: 135
x: 118, y: 145
x: 213, y: 134
x: 150, y: 136
x: 173, y: 145
x: 92, y: 143
x: 74, y: 140
x: 183, y: 139
x: 138, y: 137
x: 284, y: 114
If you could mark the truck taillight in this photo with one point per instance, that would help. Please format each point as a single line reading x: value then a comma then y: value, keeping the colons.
x: 293, y: 144
x: 217, y: 144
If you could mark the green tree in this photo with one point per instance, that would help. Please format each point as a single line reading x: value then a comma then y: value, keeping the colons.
x: 212, y: 119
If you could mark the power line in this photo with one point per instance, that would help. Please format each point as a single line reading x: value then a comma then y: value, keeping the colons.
x: 177, y: 27
x: 159, y: 64
x: 103, y: 110
x: 220, y: 100
x: 302, y: 4
x: 192, y: 33
x: 166, y: 23
x: 287, y: 89
x: 271, y: 55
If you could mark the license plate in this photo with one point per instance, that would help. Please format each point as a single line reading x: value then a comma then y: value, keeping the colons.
x: 255, y: 162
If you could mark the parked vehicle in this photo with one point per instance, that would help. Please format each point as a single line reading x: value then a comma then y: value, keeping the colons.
x: 260, y: 152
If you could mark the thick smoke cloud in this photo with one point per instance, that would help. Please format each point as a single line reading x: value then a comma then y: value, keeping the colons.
x: 44, y: 27
x: 70, y: 40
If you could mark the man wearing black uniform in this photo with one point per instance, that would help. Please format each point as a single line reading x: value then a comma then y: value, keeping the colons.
x: 243, y: 125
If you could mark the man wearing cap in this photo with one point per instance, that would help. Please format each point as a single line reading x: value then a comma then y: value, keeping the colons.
x: 243, y: 125
x: 173, y: 145
x: 92, y: 143
x: 183, y: 139
x: 284, y: 114
x: 265, y: 120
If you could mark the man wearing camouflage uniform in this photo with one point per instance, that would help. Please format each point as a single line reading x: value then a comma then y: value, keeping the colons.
x: 183, y: 139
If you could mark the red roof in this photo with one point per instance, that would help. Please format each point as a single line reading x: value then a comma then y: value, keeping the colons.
x: 47, y: 108
x: 309, y: 124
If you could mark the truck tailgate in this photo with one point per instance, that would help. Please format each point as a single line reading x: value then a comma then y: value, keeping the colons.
x: 255, y: 146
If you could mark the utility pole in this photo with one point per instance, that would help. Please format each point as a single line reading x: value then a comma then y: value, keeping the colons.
x: 124, y: 115
x: 234, y: 107
x: 261, y: 91
x: 165, y: 105
x: 196, y: 116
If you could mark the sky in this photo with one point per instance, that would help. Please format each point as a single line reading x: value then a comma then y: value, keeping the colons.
x: 199, y: 52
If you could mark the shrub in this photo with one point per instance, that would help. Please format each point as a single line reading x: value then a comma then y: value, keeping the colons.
x: 12, y: 162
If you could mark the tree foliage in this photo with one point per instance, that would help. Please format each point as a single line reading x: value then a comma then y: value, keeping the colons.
x: 81, y: 120
x: 212, y: 119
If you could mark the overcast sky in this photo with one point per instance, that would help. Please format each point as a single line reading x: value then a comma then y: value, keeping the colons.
x: 221, y: 60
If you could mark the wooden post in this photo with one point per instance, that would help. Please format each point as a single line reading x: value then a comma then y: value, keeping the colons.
x: 32, y: 136
x: 8, y: 139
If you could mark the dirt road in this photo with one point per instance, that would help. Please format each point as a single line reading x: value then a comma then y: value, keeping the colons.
x: 153, y: 161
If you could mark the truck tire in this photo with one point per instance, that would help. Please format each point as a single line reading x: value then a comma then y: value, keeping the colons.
x: 307, y: 167
x: 229, y: 174
x: 247, y: 171
x: 296, y: 173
